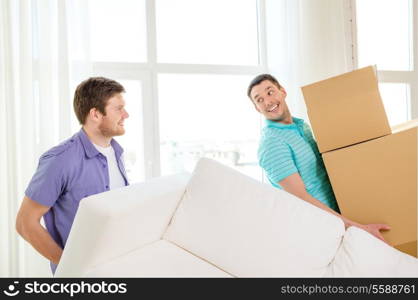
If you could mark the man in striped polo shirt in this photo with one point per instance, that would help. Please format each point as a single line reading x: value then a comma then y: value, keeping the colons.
x: 289, y: 155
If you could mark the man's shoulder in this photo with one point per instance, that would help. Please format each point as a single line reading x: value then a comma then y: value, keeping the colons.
x: 271, y: 141
x: 270, y: 133
x: 64, y: 150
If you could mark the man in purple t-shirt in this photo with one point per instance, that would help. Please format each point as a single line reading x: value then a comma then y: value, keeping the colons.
x: 90, y: 162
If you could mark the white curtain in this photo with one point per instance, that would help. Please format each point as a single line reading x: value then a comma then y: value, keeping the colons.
x: 43, y: 54
x: 307, y: 41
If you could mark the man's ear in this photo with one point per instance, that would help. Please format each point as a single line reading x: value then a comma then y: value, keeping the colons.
x: 283, y: 90
x: 95, y: 115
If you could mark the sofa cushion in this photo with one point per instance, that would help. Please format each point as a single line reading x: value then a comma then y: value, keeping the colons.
x: 363, y: 255
x: 250, y: 229
x: 159, y: 259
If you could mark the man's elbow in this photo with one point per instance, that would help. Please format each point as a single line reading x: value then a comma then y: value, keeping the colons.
x: 19, y: 226
x: 22, y: 226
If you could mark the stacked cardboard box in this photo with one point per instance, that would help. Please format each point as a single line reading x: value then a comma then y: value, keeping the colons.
x: 372, y: 167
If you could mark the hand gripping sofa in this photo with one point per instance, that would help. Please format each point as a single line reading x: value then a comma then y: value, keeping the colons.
x: 218, y: 222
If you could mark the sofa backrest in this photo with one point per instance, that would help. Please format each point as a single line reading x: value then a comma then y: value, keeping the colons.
x: 250, y: 229
x: 113, y: 223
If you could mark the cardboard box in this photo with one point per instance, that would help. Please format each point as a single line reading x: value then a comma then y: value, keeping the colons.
x: 346, y: 109
x: 376, y: 182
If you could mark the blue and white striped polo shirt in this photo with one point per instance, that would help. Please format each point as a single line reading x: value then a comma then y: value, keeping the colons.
x: 289, y: 148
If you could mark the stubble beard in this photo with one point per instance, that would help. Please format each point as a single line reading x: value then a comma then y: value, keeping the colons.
x: 282, y: 117
x: 109, y: 132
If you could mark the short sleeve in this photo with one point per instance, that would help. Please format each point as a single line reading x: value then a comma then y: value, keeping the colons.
x: 308, y: 131
x: 276, y: 160
x: 46, y: 184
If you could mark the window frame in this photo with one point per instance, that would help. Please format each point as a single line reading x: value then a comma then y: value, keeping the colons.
x: 390, y: 76
x: 148, y: 72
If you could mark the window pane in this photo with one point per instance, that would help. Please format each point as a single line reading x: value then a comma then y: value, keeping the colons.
x: 384, y: 34
x: 117, y: 30
x: 207, y: 32
x: 396, y: 99
x: 207, y: 116
x: 132, y: 141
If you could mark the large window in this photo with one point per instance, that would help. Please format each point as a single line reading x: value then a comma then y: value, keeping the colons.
x: 185, y: 65
x: 117, y: 31
x: 207, y: 32
x: 207, y: 116
x: 385, y: 36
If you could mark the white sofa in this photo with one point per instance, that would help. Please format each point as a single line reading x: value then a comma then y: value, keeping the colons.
x: 219, y: 223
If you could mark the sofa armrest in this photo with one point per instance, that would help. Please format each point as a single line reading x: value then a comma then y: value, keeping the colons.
x: 113, y: 223
x: 363, y: 255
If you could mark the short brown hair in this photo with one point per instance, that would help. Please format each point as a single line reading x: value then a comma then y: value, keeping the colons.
x: 260, y: 78
x: 94, y: 93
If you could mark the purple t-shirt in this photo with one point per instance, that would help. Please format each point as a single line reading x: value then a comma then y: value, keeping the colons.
x: 67, y: 173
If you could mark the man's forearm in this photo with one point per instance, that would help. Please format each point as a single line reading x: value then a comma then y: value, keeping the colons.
x: 42, y: 241
x: 294, y: 185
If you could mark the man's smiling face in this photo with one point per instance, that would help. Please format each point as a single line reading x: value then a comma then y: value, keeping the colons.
x: 112, y: 123
x: 269, y: 100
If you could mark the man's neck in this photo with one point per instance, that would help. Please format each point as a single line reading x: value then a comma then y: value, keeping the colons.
x: 287, y: 121
x: 96, y: 137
